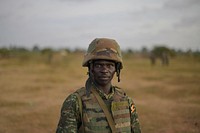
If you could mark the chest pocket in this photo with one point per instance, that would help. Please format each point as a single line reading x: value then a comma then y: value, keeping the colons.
x: 93, y: 116
x: 121, y: 115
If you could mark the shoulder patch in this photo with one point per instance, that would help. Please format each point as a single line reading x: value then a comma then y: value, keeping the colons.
x: 132, y: 108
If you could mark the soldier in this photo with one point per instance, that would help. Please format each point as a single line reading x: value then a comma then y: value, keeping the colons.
x: 100, y: 106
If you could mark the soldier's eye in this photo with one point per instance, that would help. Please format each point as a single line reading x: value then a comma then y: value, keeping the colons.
x: 110, y: 65
x: 98, y: 65
x: 101, y: 65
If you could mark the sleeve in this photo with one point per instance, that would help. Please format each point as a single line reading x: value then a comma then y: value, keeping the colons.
x: 135, y: 125
x: 70, y: 116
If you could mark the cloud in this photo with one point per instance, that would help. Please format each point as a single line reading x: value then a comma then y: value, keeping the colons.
x: 134, y: 23
x: 181, y: 4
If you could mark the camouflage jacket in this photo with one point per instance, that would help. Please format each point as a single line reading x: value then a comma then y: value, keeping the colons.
x: 70, y: 120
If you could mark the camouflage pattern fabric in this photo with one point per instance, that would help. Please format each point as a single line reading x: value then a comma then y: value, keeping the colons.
x: 70, y: 120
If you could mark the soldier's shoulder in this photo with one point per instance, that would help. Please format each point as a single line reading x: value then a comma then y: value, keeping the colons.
x: 80, y: 91
x: 73, y: 96
x: 123, y: 93
x: 120, y: 91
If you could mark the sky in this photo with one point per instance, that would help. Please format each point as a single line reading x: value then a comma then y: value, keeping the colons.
x: 75, y: 23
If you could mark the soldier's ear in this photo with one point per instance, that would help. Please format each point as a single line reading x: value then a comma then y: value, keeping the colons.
x: 91, y: 74
x: 91, y: 71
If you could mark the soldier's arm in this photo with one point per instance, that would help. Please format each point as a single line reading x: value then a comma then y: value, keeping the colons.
x: 135, y: 125
x: 70, y: 116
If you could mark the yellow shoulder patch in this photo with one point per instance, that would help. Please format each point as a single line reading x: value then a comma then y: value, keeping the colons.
x: 132, y: 108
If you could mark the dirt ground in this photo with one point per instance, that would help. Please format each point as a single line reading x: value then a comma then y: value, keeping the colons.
x: 32, y: 93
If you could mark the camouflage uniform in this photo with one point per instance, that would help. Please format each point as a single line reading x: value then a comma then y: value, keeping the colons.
x: 70, y: 120
x: 75, y: 113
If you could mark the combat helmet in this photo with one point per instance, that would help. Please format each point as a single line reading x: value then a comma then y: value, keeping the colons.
x: 103, y: 48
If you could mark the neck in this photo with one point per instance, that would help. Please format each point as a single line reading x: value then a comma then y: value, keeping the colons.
x: 105, y: 88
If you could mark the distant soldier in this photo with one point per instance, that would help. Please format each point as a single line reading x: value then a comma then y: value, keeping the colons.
x: 152, y: 58
x: 100, y: 106
x: 165, y: 59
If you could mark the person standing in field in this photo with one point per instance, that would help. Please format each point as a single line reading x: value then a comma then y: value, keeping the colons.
x: 99, y: 106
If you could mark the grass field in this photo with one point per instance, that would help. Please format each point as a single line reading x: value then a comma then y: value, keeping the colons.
x: 32, y: 92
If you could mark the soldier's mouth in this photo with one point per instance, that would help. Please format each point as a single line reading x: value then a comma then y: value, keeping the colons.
x: 104, y: 78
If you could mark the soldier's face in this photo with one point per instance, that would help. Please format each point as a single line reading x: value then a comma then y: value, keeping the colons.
x: 103, y: 71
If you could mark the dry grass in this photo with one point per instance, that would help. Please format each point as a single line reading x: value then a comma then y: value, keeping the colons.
x: 32, y: 92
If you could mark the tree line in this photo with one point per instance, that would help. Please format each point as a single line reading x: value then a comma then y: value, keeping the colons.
x: 156, y: 51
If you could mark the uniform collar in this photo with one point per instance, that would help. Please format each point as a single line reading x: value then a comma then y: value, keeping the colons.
x: 106, y: 96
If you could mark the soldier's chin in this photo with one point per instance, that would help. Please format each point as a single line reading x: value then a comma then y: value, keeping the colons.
x: 104, y: 82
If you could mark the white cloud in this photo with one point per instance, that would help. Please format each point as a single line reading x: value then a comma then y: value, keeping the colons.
x: 134, y: 23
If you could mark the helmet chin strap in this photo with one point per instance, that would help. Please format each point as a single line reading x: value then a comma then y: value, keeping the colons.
x: 89, y: 81
x: 118, y: 65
